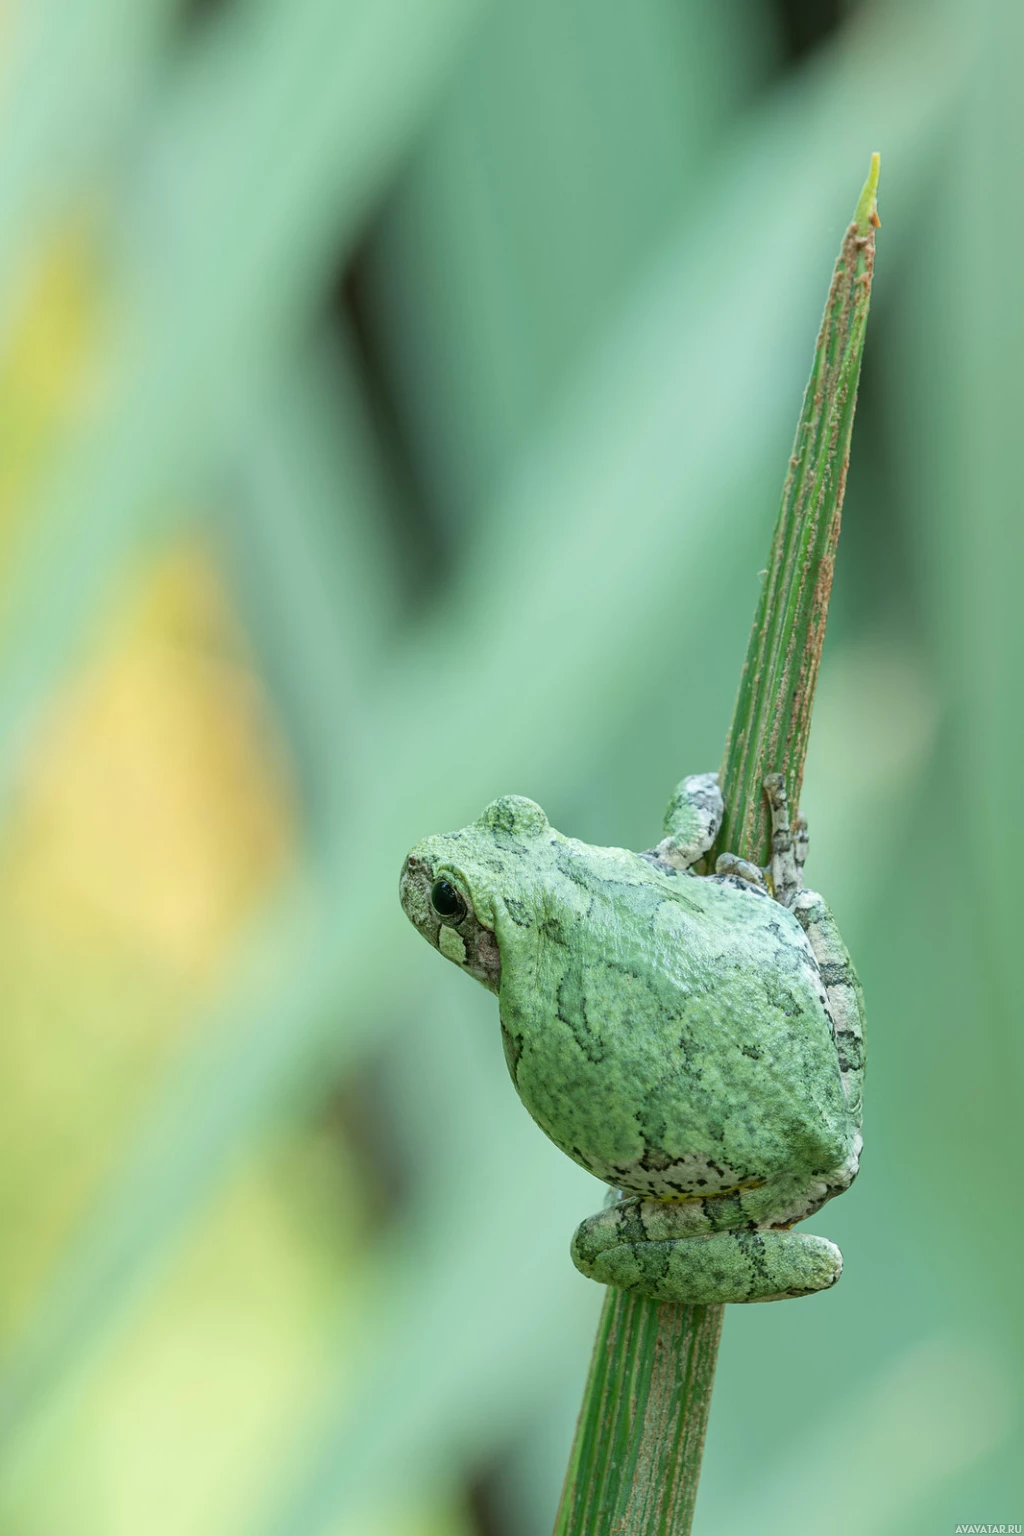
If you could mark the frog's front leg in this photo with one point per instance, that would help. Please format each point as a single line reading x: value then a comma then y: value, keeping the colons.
x: 844, y: 993
x: 692, y: 821
x: 845, y: 997
x: 789, y: 844
x: 684, y: 1252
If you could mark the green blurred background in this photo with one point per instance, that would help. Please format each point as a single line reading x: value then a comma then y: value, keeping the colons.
x: 394, y: 402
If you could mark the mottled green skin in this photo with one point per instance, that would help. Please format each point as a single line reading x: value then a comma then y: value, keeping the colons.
x: 670, y: 1032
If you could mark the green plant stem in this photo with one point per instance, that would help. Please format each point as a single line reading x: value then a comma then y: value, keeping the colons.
x: 635, y: 1461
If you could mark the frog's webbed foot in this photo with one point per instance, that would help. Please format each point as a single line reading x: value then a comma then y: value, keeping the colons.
x: 671, y: 1252
x: 692, y: 821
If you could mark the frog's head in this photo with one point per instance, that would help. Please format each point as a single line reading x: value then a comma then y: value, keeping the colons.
x: 463, y: 889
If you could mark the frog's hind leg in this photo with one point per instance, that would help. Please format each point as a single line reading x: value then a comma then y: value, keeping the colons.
x: 842, y: 989
x: 660, y: 1250
x: 730, y: 1266
x: 692, y: 821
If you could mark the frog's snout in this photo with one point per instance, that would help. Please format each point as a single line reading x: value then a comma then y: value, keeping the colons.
x: 414, y: 893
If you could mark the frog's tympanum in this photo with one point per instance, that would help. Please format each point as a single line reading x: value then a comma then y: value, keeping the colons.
x: 694, y: 1040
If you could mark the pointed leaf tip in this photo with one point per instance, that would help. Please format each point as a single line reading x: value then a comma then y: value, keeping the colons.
x: 866, y: 214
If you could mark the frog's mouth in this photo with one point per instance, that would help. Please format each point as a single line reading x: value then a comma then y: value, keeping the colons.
x: 463, y: 939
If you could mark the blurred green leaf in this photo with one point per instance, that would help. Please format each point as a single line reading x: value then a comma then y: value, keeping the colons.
x: 75, y: 78
x: 220, y: 286
x: 306, y: 549
x: 576, y: 140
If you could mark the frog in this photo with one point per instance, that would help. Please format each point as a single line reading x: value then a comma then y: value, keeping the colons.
x: 693, y: 1037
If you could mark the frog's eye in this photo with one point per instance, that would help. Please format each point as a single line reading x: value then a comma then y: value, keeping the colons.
x: 446, y: 901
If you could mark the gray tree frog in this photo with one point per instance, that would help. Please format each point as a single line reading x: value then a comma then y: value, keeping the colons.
x: 694, y: 1040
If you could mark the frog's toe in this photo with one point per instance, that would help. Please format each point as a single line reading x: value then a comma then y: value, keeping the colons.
x: 732, y: 864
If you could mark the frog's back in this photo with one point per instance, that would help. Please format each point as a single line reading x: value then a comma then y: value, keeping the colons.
x: 691, y: 1050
